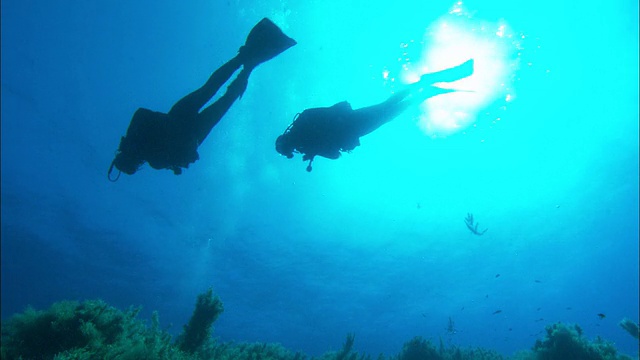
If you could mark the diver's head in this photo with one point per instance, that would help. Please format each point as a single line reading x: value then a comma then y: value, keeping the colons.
x: 284, y: 146
x: 127, y: 159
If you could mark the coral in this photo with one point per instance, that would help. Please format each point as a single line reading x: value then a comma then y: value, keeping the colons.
x: 198, y: 331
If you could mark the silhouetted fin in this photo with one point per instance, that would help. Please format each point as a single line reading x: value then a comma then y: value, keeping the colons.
x: 431, y: 91
x: 265, y: 41
x: 448, y: 75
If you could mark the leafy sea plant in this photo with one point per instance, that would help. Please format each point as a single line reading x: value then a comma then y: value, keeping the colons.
x: 565, y: 342
x: 198, y: 331
x: 346, y: 353
x: 252, y: 351
x: 88, y: 330
x: 71, y: 330
x: 419, y: 349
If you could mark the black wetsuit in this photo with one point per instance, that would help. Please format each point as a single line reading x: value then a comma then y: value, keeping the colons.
x: 324, y: 131
x: 170, y: 141
x: 327, y: 131
x: 164, y: 142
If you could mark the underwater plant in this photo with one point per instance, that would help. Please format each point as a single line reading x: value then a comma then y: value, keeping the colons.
x: 251, y: 351
x: 70, y: 330
x: 419, y: 349
x: 346, y: 353
x: 198, y: 331
x: 88, y: 330
x: 565, y: 342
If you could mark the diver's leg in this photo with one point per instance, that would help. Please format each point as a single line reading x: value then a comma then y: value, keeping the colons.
x: 370, y: 118
x: 188, y: 106
x: 212, y: 114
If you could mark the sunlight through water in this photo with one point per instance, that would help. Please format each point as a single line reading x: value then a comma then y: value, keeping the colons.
x: 450, y: 41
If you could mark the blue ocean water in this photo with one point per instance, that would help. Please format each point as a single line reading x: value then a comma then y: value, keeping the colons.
x: 543, y: 153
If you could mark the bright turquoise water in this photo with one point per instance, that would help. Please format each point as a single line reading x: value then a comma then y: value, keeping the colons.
x: 544, y: 153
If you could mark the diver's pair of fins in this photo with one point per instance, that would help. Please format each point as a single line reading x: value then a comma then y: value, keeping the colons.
x: 455, y: 73
x: 264, y: 42
x: 448, y: 75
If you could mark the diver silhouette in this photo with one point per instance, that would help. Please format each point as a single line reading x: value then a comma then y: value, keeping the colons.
x: 170, y: 141
x: 327, y: 131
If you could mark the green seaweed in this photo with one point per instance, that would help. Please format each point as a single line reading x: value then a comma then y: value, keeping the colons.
x: 197, y: 332
x: 252, y: 351
x: 346, y: 353
x: 71, y: 330
x: 88, y: 330
x: 565, y: 342
x: 419, y: 348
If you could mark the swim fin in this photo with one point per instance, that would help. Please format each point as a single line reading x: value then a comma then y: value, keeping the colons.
x: 430, y: 91
x: 265, y: 41
x: 448, y: 75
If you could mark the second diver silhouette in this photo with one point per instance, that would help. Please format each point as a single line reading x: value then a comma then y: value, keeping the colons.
x: 326, y: 131
x: 170, y: 141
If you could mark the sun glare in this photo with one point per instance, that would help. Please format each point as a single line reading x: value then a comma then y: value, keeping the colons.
x: 450, y: 41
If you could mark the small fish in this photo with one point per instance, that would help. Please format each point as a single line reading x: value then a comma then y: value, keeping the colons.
x: 538, y: 281
x: 497, y: 312
x: 538, y: 309
x: 568, y: 308
x: 497, y: 275
x: 541, y: 319
x: 602, y: 316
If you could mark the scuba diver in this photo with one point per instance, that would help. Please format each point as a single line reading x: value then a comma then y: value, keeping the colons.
x: 327, y: 131
x: 170, y: 141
